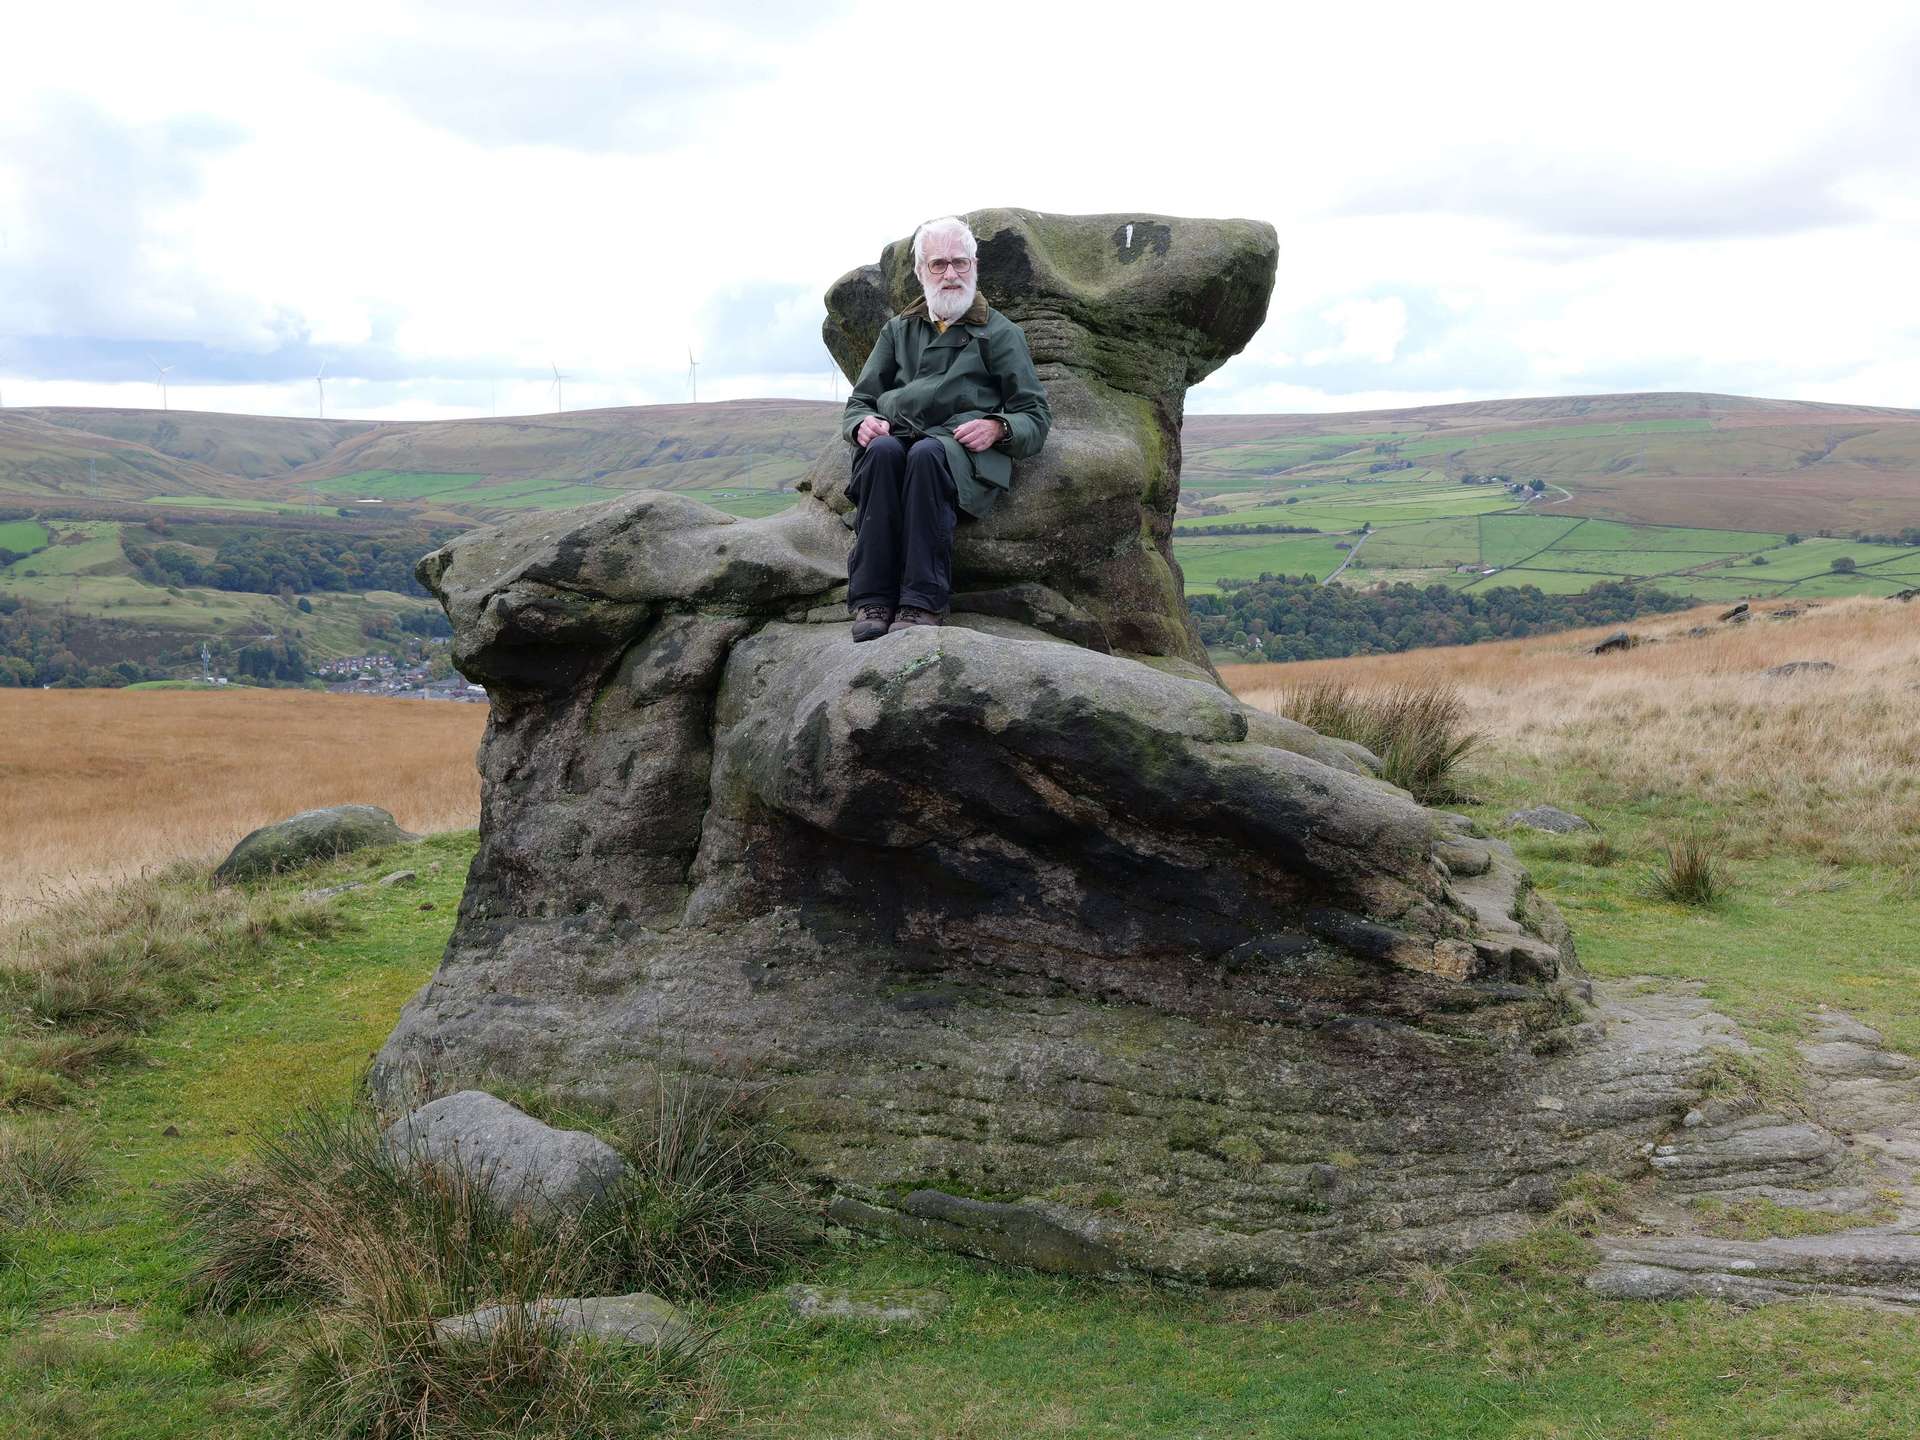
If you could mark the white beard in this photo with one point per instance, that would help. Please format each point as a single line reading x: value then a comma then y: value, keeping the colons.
x: 948, y: 305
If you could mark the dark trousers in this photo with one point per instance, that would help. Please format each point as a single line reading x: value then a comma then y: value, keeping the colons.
x: 906, y: 507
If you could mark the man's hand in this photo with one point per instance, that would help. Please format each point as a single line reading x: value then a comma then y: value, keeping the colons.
x: 871, y: 426
x: 978, y: 435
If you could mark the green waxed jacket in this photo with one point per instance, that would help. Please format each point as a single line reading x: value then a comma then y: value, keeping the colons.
x: 923, y: 382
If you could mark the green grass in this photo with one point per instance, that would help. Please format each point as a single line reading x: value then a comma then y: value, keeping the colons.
x: 1467, y: 448
x: 1206, y: 561
x: 1506, y: 539
x: 392, y: 484
x: 22, y: 536
x: 1612, y: 535
x: 74, y: 547
x: 97, y: 1339
x: 1548, y: 582
x: 215, y: 502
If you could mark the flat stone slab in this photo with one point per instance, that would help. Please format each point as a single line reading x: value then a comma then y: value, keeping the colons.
x: 1868, y: 1264
x: 636, y: 1319
x: 311, y: 835
x: 523, y: 1163
x: 860, y: 1307
x: 1551, y: 818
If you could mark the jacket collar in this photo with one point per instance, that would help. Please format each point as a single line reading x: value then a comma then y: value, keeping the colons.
x: 974, y: 314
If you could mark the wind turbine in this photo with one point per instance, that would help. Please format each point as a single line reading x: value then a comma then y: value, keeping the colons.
x: 559, y: 389
x: 693, y: 377
x: 320, y: 380
x: 163, y: 369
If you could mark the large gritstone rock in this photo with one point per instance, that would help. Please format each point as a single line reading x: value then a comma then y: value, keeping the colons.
x: 1048, y: 947
x: 522, y: 1163
x: 311, y: 835
x: 1122, y: 314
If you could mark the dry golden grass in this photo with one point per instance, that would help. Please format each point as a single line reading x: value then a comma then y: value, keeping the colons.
x: 96, y: 785
x: 1824, y: 764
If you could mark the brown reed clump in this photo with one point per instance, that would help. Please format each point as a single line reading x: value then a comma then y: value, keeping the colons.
x: 1826, y: 765
x: 1420, y: 731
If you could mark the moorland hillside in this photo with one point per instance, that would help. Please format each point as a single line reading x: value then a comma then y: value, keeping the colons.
x: 1661, y: 458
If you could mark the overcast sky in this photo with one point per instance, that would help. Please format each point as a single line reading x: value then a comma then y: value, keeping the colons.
x: 441, y: 202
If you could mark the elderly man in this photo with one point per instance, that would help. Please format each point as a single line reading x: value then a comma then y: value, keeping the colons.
x: 947, y: 402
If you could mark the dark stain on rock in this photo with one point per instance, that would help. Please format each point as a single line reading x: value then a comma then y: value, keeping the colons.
x: 1147, y: 235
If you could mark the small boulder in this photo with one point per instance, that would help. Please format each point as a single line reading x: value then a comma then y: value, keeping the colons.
x: 855, y: 1307
x: 1911, y: 593
x: 1738, y: 612
x: 524, y: 1164
x: 636, y: 1319
x: 311, y: 835
x: 1548, y: 817
x: 1619, y: 640
x: 398, y: 877
x: 1799, y: 667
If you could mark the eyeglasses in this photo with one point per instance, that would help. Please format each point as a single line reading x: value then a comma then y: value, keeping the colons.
x: 959, y: 267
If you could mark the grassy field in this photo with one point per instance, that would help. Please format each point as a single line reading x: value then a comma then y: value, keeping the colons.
x: 101, y: 784
x: 1808, y: 788
x: 85, y: 572
x: 22, y: 536
x: 215, y: 502
x: 1425, y: 529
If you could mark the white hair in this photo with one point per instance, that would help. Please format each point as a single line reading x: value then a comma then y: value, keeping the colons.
x: 945, y: 225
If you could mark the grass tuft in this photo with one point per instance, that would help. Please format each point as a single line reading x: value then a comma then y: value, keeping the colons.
x: 1419, y: 730
x: 1692, y: 875
x: 324, y: 1213
x: 40, y: 1168
x: 1590, y: 1202
x: 83, y: 975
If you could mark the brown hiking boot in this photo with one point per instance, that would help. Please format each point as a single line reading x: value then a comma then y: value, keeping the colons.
x: 912, y: 615
x: 870, y: 622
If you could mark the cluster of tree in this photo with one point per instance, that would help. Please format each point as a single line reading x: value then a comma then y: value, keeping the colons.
x: 1262, y: 529
x: 1380, y: 466
x: 272, y: 658
x: 37, y: 647
x: 1470, y: 478
x: 1908, y: 536
x: 382, y: 625
x: 271, y: 562
x: 1298, y: 618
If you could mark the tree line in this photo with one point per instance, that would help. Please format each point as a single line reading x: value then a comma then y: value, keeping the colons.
x: 1298, y: 618
x: 269, y: 563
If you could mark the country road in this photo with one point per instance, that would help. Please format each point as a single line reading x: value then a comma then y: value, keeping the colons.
x: 1353, y: 552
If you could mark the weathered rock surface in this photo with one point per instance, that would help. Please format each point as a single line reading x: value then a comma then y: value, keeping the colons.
x: 636, y: 1319
x: 1122, y: 314
x: 1849, y: 1150
x: 1794, y: 668
x: 1550, y: 818
x: 1050, y: 949
x: 523, y: 1163
x: 311, y: 835
x: 878, y: 1309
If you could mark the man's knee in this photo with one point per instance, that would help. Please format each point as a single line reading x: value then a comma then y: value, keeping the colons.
x: 885, y: 448
x: 927, y: 452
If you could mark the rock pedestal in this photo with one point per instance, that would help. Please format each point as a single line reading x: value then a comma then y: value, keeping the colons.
x: 1046, y: 946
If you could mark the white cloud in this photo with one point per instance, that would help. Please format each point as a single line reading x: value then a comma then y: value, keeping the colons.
x: 1370, y: 330
x: 1505, y: 199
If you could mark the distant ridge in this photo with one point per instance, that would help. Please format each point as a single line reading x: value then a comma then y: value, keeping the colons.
x: 1696, y: 458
